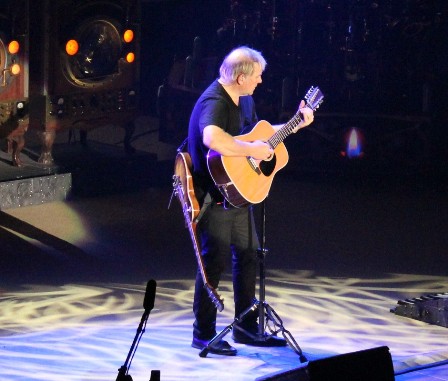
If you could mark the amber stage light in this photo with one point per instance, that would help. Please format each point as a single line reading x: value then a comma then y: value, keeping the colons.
x: 72, y: 47
x: 130, y: 57
x: 128, y: 35
x: 13, y: 47
x: 15, y: 69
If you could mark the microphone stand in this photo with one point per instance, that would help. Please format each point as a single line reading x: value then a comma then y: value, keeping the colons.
x: 204, y: 352
x: 266, y: 313
x: 123, y: 371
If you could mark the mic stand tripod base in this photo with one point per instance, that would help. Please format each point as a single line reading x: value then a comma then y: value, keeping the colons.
x: 122, y: 376
x: 204, y: 352
x: 122, y: 372
x: 271, y: 339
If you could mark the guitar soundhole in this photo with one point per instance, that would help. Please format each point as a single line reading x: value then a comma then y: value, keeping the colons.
x: 268, y: 166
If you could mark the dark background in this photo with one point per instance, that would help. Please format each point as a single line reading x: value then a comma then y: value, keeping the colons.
x: 381, y: 64
x: 361, y: 51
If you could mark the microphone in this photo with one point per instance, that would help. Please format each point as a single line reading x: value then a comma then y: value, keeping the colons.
x: 150, y: 295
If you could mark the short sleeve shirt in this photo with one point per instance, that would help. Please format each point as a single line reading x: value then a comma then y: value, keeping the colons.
x: 215, y: 107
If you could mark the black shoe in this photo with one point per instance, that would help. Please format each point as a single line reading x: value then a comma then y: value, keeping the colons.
x: 221, y: 347
x: 264, y: 341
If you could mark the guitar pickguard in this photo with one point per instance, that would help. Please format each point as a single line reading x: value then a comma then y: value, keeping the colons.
x: 268, y: 166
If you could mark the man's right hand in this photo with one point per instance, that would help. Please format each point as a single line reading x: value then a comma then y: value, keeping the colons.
x: 261, y: 150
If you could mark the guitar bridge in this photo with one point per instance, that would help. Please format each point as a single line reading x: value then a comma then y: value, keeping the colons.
x: 253, y: 164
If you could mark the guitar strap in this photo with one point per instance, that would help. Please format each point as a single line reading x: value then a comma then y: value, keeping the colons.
x: 207, y: 202
x: 182, y: 145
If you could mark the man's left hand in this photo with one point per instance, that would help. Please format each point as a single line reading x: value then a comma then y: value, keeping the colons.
x: 307, y: 116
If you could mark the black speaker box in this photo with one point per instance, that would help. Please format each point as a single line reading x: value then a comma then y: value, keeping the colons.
x: 430, y: 308
x: 367, y: 365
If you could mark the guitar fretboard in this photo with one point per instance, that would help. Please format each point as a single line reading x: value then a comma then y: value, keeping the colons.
x: 285, y: 131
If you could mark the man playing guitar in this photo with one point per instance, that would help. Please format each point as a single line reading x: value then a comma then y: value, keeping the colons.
x: 224, y: 111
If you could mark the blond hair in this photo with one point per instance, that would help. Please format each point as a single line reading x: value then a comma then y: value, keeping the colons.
x: 240, y: 61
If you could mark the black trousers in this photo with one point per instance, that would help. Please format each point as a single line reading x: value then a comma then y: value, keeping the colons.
x: 223, y: 232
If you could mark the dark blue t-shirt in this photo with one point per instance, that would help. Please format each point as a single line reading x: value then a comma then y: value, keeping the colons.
x: 215, y: 107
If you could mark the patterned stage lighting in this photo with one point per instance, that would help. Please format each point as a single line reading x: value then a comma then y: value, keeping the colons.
x: 14, y: 75
x: 85, y: 67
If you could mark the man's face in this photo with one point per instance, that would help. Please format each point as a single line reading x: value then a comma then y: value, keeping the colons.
x: 250, y: 82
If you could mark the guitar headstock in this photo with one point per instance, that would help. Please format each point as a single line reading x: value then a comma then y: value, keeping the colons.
x: 314, y: 97
x: 215, y: 298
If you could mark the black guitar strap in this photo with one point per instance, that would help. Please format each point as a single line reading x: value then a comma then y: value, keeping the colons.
x: 207, y: 202
x: 183, y: 145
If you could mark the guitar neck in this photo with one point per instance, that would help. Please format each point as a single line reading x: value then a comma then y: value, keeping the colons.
x: 285, y: 130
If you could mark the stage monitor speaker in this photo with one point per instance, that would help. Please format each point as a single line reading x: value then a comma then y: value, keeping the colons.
x: 367, y: 365
x: 430, y: 308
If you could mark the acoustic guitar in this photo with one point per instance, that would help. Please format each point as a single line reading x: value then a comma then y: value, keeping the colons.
x: 245, y: 180
x: 184, y: 190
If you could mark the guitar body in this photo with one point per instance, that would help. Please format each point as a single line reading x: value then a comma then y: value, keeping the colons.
x: 182, y: 169
x: 236, y: 176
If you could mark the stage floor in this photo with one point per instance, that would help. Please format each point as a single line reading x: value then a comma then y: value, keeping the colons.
x: 83, y: 331
x: 342, y: 252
